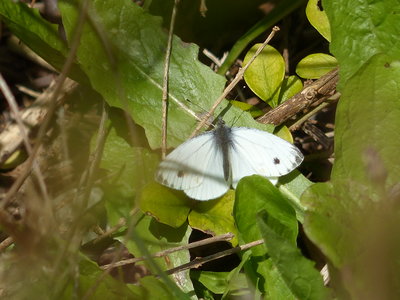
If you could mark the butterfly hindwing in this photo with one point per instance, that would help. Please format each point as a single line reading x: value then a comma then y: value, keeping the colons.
x: 257, y: 152
x: 214, y: 184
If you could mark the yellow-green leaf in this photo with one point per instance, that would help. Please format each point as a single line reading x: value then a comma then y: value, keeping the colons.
x: 166, y: 205
x: 264, y: 76
x: 318, y: 19
x: 215, y: 216
x: 316, y: 65
x: 253, y: 110
x: 290, y: 86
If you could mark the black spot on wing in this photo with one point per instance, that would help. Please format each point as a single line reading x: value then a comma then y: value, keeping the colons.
x: 299, y: 159
x: 181, y: 173
x: 276, y: 161
x: 159, y: 177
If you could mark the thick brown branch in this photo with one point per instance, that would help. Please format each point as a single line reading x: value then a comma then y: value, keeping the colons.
x: 320, y: 88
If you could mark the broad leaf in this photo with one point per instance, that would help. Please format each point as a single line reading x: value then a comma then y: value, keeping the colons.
x: 215, y: 216
x: 361, y: 29
x: 166, y: 205
x: 298, y: 272
x: 125, y: 65
x: 253, y: 195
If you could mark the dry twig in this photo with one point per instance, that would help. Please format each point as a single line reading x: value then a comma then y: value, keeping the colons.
x: 233, y: 83
x: 197, y: 262
x: 223, y: 237
x: 165, y: 81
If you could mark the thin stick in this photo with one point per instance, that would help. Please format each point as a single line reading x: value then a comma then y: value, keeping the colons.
x: 165, y: 81
x: 304, y: 118
x: 212, y: 57
x: 29, y: 92
x: 197, y: 262
x: 121, y: 222
x: 6, y: 243
x: 233, y: 83
x: 85, y: 184
x: 14, y: 108
x: 57, y: 90
x: 218, y: 238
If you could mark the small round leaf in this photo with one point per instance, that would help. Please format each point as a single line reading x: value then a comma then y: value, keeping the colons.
x: 264, y: 76
x: 315, y: 65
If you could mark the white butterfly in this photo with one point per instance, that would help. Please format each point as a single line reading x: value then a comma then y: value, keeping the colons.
x: 206, y: 166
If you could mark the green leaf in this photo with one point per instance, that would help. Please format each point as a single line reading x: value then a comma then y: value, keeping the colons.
x: 265, y: 75
x: 368, y: 117
x: 37, y: 33
x: 329, y: 213
x: 256, y: 193
x: 298, y: 272
x: 348, y: 217
x: 125, y: 65
x: 315, y: 65
x: 166, y: 205
x: 149, y: 237
x: 318, y: 18
x: 282, y: 9
x: 152, y: 288
x: 215, y: 216
x: 106, y: 288
x: 290, y: 86
x: 293, y: 186
x: 360, y: 29
x: 284, y: 133
x: 125, y: 181
x: 217, y: 282
x: 124, y: 162
x: 273, y: 285
x: 253, y: 110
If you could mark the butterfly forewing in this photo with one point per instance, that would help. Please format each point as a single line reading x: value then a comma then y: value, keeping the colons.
x: 195, y: 167
x: 258, y: 152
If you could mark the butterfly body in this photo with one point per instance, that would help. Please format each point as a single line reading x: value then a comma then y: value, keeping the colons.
x: 206, y: 166
x: 223, y: 138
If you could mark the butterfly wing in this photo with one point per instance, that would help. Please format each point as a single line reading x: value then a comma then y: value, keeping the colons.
x: 214, y: 184
x: 257, y: 152
x: 196, y: 167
